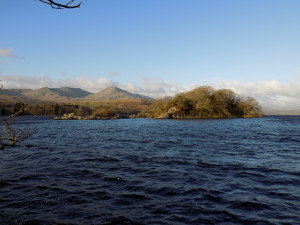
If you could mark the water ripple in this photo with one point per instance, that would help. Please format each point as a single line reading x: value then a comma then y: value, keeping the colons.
x: 154, y: 172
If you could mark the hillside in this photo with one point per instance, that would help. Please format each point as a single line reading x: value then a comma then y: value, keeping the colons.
x: 111, y: 93
x: 71, y: 92
x: 8, y: 99
x: 15, y: 92
x: 269, y: 111
x: 56, y: 93
x: 66, y: 94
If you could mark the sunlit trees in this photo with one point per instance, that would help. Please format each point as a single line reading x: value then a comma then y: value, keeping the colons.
x: 206, y: 102
x: 225, y: 103
x: 202, y: 100
x: 182, y: 104
x: 158, y: 108
x: 250, y: 107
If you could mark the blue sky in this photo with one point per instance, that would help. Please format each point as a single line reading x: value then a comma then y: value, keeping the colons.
x: 155, y: 47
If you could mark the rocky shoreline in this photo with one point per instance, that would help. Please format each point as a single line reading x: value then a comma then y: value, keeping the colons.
x: 72, y: 116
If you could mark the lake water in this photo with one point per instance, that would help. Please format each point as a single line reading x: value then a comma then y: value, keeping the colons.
x: 146, y: 171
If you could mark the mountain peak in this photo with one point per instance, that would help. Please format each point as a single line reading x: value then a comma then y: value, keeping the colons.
x: 112, y: 88
x: 114, y: 92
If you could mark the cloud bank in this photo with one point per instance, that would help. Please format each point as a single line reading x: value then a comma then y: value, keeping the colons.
x: 7, y: 52
x: 270, y: 94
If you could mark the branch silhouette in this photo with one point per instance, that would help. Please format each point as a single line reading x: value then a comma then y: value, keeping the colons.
x: 56, y: 5
x: 10, y: 134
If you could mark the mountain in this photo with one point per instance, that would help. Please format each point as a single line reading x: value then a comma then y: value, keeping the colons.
x: 71, y: 92
x: 43, y: 93
x: 58, y: 92
x: 114, y: 93
x: 269, y: 111
x: 65, y: 94
x: 55, y: 93
x: 15, y: 92
x: 46, y: 94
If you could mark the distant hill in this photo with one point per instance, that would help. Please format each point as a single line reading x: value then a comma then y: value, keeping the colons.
x: 15, y: 92
x: 71, y: 92
x: 15, y: 99
x: 269, y: 111
x: 65, y: 94
x: 57, y: 93
x: 47, y: 94
x: 114, y: 93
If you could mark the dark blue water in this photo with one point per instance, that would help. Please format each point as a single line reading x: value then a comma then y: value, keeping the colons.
x: 140, y: 171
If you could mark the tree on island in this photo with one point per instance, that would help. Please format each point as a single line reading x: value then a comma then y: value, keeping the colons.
x: 249, y: 107
x: 66, y: 5
x: 206, y: 102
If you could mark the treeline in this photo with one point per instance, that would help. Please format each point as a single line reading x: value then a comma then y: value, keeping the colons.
x: 107, y: 108
x: 41, y: 109
x: 205, y: 102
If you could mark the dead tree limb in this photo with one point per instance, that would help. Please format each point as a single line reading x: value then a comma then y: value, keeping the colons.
x: 56, y: 5
x: 10, y: 135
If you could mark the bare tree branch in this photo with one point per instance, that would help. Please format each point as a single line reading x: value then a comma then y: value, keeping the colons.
x: 56, y: 5
x: 10, y: 135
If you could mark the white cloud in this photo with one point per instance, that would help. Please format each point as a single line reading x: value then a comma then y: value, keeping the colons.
x: 86, y: 83
x: 21, y: 81
x: 158, y: 88
x: 270, y: 94
x: 7, y: 52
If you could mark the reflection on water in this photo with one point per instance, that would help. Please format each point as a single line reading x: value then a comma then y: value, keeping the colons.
x: 139, y: 171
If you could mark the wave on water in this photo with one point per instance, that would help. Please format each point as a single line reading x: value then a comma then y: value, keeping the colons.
x: 237, y: 171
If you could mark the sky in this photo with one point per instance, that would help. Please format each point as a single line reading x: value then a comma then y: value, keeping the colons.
x: 155, y: 47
